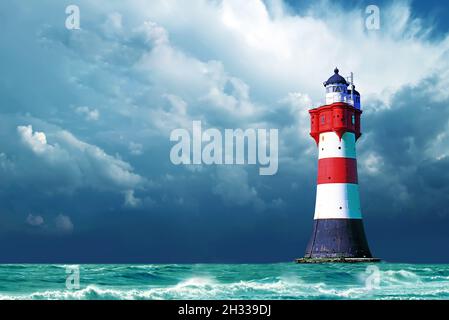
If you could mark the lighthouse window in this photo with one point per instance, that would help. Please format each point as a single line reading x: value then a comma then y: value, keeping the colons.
x: 353, y: 119
x: 323, y: 119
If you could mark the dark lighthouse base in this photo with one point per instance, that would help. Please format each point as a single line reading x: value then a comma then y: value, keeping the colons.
x: 338, y: 240
x: 337, y: 260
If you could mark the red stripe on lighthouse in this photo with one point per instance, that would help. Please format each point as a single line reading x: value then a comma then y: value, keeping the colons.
x: 337, y: 170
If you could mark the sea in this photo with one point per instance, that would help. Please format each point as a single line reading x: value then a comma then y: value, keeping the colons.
x: 224, y: 281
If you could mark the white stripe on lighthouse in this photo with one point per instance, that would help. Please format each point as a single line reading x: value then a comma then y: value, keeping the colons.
x: 330, y: 145
x: 337, y: 201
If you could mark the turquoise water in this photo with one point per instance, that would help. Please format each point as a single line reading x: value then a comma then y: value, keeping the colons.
x: 228, y: 281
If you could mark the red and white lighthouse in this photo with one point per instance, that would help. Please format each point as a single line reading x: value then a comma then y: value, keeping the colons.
x: 338, y: 233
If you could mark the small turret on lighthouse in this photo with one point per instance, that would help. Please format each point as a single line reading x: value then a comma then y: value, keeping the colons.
x: 338, y: 233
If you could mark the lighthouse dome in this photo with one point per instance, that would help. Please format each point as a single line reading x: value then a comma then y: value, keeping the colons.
x: 336, y: 79
x: 356, y: 93
x: 356, y: 102
x: 336, y: 88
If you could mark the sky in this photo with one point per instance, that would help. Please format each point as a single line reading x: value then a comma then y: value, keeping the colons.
x: 86, y: 117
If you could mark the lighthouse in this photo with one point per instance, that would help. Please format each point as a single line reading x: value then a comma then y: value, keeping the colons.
x: 338, y: 234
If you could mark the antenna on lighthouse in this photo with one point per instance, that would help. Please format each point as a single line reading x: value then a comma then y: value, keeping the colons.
x: 352, y: 88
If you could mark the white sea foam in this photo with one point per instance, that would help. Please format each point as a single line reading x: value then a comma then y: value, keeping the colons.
x: 204, y: 289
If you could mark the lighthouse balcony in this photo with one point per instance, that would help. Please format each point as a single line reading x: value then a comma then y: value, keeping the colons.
x: 337, y: 117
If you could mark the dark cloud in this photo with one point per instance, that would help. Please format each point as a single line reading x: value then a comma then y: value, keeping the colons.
x: 408, y: 139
